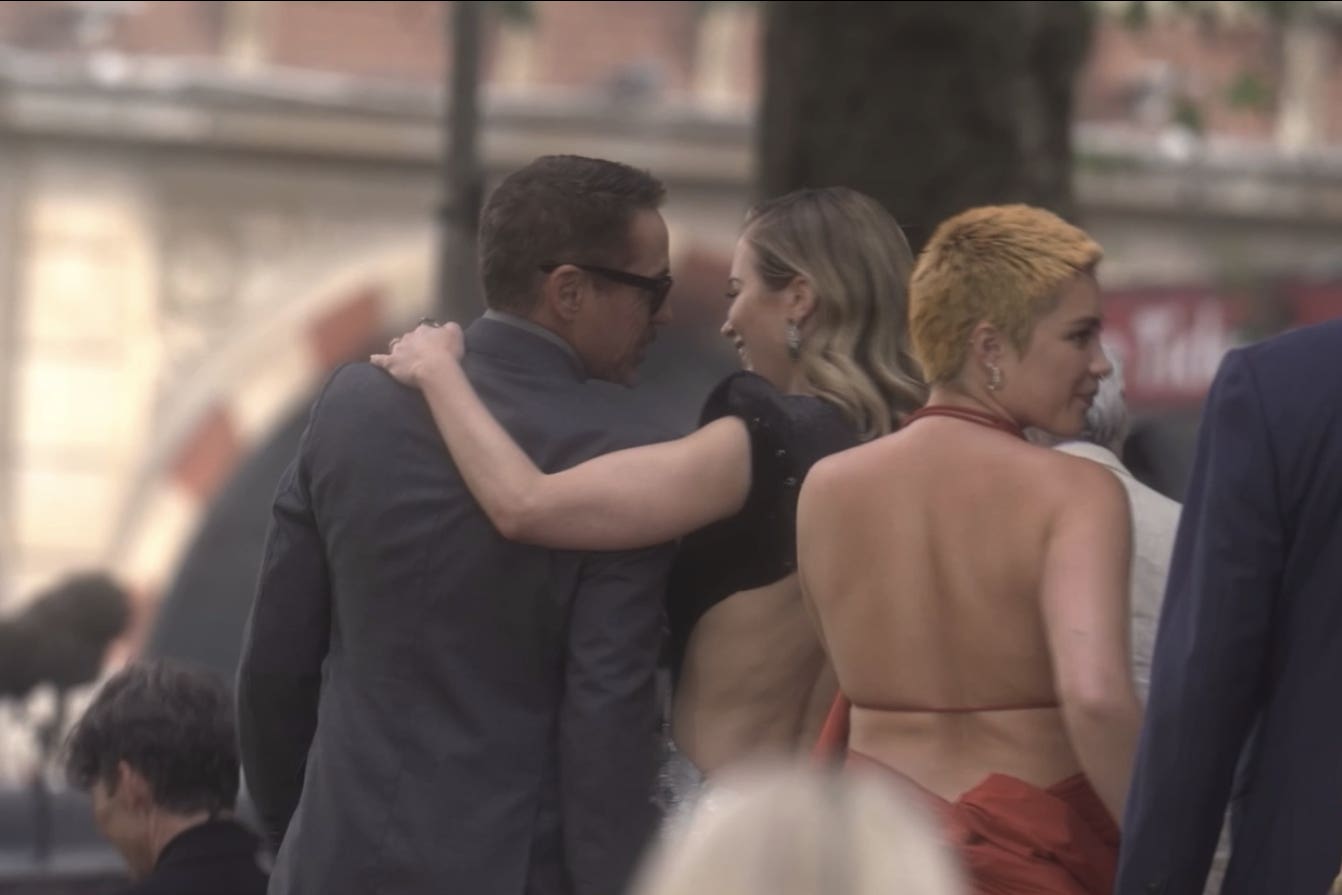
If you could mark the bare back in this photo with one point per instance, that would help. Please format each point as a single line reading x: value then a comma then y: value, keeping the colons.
x: 755, y: 681
x: 924, y: 565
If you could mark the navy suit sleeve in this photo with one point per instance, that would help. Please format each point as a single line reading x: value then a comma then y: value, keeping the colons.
x: 609, y: 721
x: 285, y: 644
x: 1212, y: 643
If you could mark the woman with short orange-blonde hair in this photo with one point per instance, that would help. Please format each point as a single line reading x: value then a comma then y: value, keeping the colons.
x: 970, y: 587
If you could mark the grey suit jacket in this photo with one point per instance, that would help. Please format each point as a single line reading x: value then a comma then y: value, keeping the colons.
x: 424, y: 706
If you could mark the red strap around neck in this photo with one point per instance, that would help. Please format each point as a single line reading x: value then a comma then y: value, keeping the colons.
x: 968, y: 414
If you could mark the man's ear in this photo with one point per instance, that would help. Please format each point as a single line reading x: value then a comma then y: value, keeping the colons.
x: 564, y: 291
x: 132, y: 788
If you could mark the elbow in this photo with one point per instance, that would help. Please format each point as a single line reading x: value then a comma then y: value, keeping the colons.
x: 1105, y: 701
x: 515, y: 518
x: 509, y: 525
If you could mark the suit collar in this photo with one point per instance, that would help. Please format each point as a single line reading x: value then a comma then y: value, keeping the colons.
x: 517, y: 342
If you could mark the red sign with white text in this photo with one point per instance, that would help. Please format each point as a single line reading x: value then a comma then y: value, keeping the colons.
x: 1170, y: 342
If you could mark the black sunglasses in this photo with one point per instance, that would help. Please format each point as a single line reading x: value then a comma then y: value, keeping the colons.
x: 656, y: 287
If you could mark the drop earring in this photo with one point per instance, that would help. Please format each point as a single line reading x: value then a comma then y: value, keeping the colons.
x: 793, y: 340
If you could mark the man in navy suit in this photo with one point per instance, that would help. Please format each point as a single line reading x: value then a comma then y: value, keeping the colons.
x: 1251, y: 639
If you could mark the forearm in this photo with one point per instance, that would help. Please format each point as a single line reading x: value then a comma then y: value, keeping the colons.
x: 499, y: 474
x: 284, y: 647
x: 277, y: 719
x: 1104, y: 736
x: 608, y: 771
x: 608, y: 725
x: 626, y: 499
x: 278, y: 689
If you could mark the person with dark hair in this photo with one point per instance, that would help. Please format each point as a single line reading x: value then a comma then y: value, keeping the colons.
x: 424, y: 705
x: 61, y: 637
x: 157, y: 751
x: 817, y: 315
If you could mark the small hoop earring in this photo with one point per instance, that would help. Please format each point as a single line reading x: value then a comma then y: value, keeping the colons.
x: 994, y: 377
x: 793, y: 340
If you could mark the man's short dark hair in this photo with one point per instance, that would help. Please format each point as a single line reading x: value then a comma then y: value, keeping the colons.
x: 170, y: 722
x: 558, y: 209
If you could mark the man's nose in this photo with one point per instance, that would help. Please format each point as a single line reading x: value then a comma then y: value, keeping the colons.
x: 663, y: 315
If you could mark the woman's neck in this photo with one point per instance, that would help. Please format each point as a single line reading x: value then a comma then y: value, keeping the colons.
x: 952, y: 394
x: 797, y: 382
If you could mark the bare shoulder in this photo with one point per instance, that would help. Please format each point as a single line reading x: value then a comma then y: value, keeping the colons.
x: 835, y: 473
x: 1076, y: 483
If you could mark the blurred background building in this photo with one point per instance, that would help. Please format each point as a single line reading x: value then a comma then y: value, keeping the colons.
x: 207, y: 206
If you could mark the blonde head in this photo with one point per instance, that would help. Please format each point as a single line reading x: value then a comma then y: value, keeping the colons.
x: 802, y: 831
x: 1001, y: 264
x: 857, y: 262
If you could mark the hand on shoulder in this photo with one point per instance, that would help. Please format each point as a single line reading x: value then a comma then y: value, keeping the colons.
x: 412, y: 357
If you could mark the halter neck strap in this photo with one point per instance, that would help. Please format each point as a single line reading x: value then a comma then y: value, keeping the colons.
x: 970, y: 415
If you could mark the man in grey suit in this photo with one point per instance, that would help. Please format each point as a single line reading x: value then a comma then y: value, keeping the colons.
x: 424, y: 706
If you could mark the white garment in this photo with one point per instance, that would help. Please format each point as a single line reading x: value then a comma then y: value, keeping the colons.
x: 1155, y: 521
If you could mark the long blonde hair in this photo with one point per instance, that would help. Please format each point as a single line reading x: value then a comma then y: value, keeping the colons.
x: 857, y: 261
